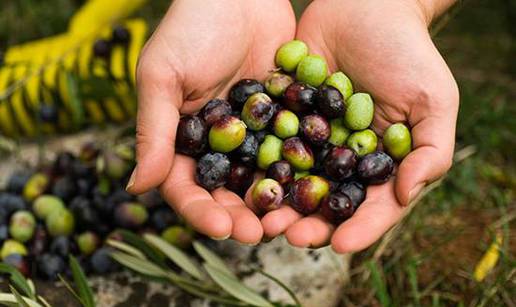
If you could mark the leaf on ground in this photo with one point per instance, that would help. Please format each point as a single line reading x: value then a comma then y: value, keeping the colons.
x: 81, y: 283
x: 175, y: 254
x: 236, y: 288
x: 488, y: 260
x: 212, y: 258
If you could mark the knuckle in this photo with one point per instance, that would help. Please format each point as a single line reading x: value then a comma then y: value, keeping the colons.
x: 442, y: 95
x: 153, y: 71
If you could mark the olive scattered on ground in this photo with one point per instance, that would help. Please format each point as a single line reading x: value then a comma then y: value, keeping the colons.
x: 72, y: 205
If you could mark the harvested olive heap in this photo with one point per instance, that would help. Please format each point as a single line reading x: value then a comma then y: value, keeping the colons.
x: 72, y: 206
x: 308, y: 131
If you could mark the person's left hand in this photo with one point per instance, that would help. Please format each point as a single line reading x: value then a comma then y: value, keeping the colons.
x: 386, y: 50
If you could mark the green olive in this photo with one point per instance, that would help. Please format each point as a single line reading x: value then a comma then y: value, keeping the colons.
x: 290, y: 54
x: 312, y: 70
x: 360, y: 111
x: 269, y: 151
x: 397, y: 141
x: 286, y: 124
x: 341, y: 82
x: 339, y: 132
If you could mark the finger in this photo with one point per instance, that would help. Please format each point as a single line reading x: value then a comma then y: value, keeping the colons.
x: 159, y: 97
x: 277, y: 221
x: 311, y: 231
x: 193, y: 203
x: 379, y: 212
x: 434, y: 140
x: 246, y: 228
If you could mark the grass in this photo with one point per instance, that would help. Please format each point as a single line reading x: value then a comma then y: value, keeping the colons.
x: 428, y: 260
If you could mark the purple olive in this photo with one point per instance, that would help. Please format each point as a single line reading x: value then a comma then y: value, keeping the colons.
x: 340, y: 163
x: 192, y: 136
x: 240, y: 178
x: 242, y: 90
x: 306, y: 193
x: 315, y: 129
x: 355, y: 190
x: 336, y: 208
x: 282, y: 172
x: 214, y: 110
x: 375, y: 168
x: 330, y: 102
x: 299, y: 97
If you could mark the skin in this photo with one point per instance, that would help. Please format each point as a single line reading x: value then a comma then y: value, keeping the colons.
x: 198, y: 51
x: 385, y: 48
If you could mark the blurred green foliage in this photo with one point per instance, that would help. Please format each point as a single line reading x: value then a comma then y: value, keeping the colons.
x: 432, y: 257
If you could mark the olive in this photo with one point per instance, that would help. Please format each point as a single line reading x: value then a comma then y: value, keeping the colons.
x: 267, y: 194
x: 298, y: 154
x: 306, y: 193
x: 191, y: 136
x: 227, y: 134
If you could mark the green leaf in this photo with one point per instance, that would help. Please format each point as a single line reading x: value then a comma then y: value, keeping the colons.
x: 175, y: 254
x: 81, y: 283
x: 149, y: 251
x: 10, y: 299
x: 209, y: 296
x: 70, y: 289
x: 43, y: 301
x: 141, y: 266
x: 379, y: 284
x: 18, y: 297
x: 17, y: 279
x: 235, y: 288
x: 282, y: 285
x: 125, y: 248
x: 212, y: 258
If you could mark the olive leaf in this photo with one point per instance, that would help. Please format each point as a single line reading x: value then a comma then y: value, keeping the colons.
x: 81, y: 283
x: 175, y: 254
x: 282, y: 285
x: 18, y: 280
x: 126, y: 248
x: 70, y: 289
x: 235, y: 288
x: 43, y: 301
x: 139, y: 265
x: 211, y: 258
x: 18, y: 297
x: 149, y: 251
x: 10, y: 300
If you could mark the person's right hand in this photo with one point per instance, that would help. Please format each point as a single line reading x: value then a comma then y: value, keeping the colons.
x: 199, y: 50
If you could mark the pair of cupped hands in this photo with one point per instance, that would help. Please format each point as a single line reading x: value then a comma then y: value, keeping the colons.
x: 201, y: 48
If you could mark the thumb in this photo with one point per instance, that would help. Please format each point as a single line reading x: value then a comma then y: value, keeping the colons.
x: 434, y: 140
x: 159, y: 97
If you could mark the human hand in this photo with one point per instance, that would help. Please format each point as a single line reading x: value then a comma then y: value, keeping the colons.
x: 198, y: 51
x: 386, y: 50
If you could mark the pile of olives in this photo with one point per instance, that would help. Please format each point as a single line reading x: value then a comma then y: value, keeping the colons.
x: 74, y: 204
x: 307, y: 130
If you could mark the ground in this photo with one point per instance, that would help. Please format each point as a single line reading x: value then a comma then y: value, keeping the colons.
x: 430, y: 257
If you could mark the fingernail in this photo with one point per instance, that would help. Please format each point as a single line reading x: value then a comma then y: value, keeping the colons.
x: 220, y: 238
x: 131, y: 180
x: 415, y: 191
